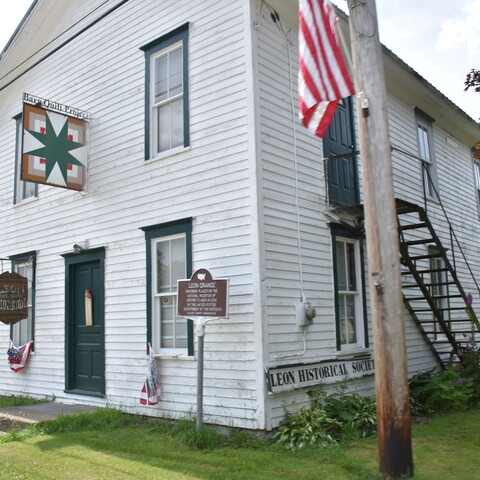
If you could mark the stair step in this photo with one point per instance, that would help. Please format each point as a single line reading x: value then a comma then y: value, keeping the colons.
x: 412, y: 226
x: 456, y: 320
x: 453, y: 332
x: 444, y: 309
x: 425, y: 257
x: 404, y: 207
x: 418, y: 242
x: 435, y: 297
x: 433, y: 270
x: 428, y: 285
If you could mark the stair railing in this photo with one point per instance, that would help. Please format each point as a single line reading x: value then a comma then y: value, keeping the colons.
x: 453, y: 236
x: 426, y: 177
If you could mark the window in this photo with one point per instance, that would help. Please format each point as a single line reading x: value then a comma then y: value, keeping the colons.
x: 476, y: 173
x: 168, y: 260
x: 166, y: 93
x: 438, y: 287
x: 425, y: 150
x: 349, y: 296
x: 23, y: 190
x: 22, y: 332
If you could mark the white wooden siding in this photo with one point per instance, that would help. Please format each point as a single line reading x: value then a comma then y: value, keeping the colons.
x: 102, y: 72
x: 282, y: 276
x: 236, y: 181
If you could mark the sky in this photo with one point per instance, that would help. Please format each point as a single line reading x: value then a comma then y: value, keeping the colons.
x: 440, y: 39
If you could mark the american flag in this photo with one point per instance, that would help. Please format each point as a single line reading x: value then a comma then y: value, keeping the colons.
x: 18, y: 356
x: 323, y: 77
x: 150, y: 394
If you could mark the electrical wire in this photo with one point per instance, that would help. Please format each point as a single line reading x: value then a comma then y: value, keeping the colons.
x: 297, y: 354
x: 276, y: 19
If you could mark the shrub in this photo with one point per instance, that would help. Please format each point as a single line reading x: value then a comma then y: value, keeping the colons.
x: 329, y: 419
x: 439, y: 391
x: 309, y: 426
x: 470, y: 366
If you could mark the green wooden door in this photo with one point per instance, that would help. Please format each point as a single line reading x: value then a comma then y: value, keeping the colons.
x: 85, y: 326
x: 339, y: 142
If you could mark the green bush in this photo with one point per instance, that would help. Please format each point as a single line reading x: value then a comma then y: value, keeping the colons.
x: 309, y: 426
x: 356, y: 413
x: 470, y: 366
x: 440, y: 391
x: 329, y: 420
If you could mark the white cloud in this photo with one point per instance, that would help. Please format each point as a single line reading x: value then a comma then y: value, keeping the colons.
x: 461, y: 32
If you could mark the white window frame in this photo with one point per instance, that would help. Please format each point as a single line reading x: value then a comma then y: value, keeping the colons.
x: 168, y: 101
x: 22, y: 331
x: 162, y: 46
x: 356, y: 294
x: 426, y: 153
x: 23, y: 190
x: 476, y: 176
x: 438, y: 263
x: 157, y: 298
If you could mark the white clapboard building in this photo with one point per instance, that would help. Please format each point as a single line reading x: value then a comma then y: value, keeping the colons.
x: 145, y: 140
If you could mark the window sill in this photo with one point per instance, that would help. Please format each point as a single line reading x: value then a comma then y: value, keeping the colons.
x: 26, y: 201
x: 173, y: 356
x: 168, y: 153
x: 356, y: 352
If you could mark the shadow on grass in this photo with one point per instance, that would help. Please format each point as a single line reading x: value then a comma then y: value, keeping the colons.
x: 129, y: 447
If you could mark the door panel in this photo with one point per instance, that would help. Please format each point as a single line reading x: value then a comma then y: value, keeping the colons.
x: 339, y: 140
x: 85, y: 343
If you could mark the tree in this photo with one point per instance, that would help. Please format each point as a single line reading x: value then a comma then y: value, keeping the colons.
x: 473, y: 80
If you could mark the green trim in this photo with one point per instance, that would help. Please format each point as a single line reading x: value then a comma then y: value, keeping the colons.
x: 340, y: 231
x: 336, y: 147
x: 425, y: 116
x: 72, y: 259
x: 16, y: 259
x: 164, y: 230
x: 165, y: 40
x: 178, y: 34
x: 83, y: 254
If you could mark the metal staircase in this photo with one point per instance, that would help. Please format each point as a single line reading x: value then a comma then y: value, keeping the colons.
x: 432, y: 292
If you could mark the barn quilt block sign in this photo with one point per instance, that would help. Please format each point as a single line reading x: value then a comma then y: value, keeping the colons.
x: 54, y: 146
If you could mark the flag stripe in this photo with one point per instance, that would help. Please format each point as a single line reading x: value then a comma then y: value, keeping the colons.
x: 323, y: 74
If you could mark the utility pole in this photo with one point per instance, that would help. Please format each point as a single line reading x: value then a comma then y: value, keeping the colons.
x: 393, y: 412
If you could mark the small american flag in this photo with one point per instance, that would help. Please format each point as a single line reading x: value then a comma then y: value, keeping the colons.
x: 150, y: 394
x: 18, y: 356
x: 323, y: 77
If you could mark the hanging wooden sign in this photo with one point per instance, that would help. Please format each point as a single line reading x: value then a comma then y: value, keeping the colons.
x: 13, y: 297
x: 54, y: 143
x: 88, y: 309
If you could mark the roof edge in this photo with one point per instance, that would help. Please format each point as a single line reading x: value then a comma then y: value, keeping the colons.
x: 19, y: 27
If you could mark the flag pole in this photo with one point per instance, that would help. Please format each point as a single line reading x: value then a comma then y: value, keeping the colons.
x: 391, y: 378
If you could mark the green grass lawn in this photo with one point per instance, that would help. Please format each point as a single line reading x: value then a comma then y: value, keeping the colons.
x: 110, y: 445
x: 13, y: 401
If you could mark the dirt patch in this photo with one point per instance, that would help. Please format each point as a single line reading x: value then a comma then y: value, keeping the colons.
x: 7, y: 424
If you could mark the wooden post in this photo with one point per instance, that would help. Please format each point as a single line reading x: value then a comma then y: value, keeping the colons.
x: 393, y: 412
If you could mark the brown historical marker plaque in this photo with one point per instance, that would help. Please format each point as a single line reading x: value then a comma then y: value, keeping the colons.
x: 203, y: 296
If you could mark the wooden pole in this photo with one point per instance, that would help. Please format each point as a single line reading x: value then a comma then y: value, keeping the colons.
x: 391, y: 381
